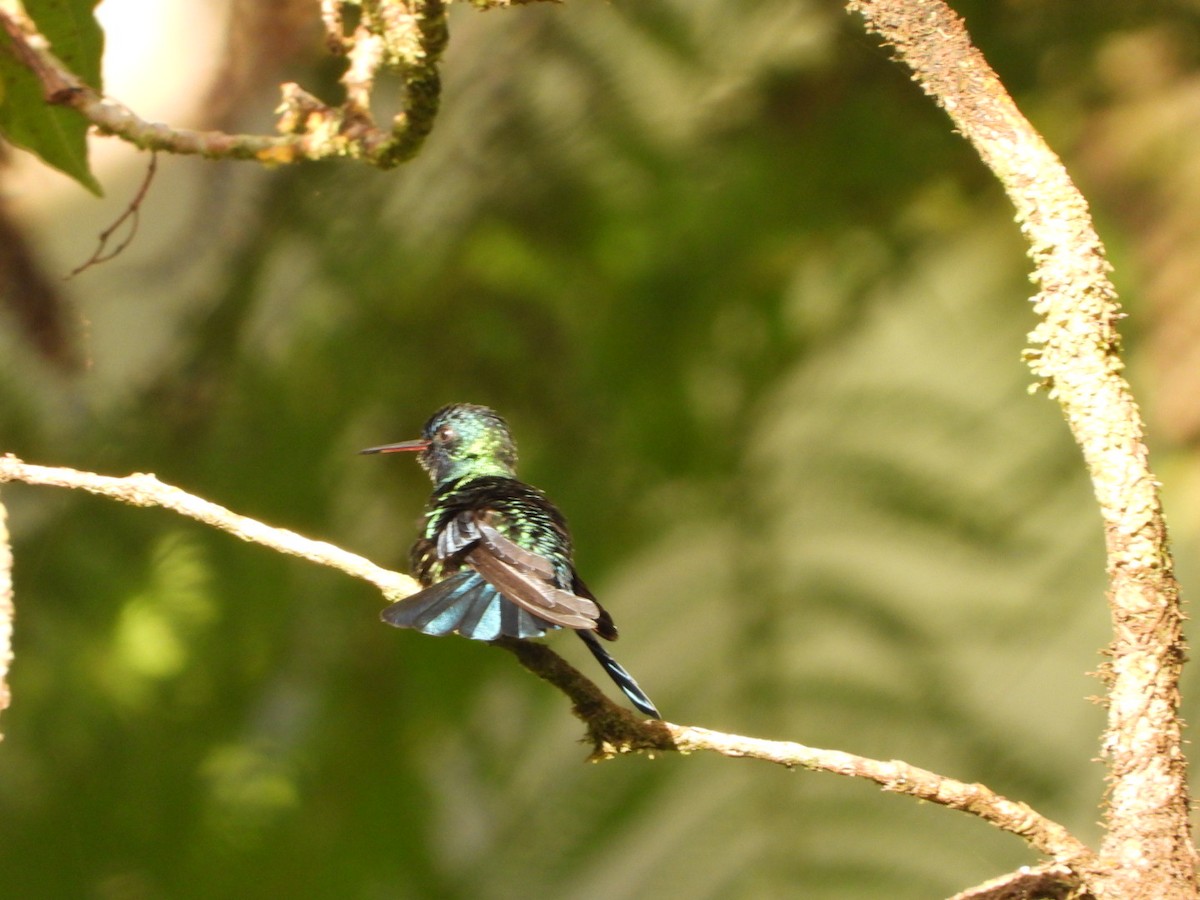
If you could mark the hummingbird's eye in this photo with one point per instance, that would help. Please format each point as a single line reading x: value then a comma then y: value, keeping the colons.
x: 445, y: 434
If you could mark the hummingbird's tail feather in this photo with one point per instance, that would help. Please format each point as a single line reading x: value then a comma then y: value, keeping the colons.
x: 618, y: 674
x: 517, y: 622
x: 466, y: 604
x: 441, y: 609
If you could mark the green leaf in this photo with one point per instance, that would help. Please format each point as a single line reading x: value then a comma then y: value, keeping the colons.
x: 57, y: 134
x: 74, y: 35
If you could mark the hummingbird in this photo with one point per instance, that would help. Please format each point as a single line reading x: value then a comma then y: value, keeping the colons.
x: 495, y: 555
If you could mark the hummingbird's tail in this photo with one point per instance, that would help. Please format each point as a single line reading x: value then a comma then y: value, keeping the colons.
x: 466, y: 604
x: 618, y: 674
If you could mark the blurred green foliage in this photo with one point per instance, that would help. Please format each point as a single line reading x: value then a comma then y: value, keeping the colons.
x: 755, y: 315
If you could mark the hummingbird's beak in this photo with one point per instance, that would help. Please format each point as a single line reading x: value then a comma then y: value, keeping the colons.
x: 402, y: 447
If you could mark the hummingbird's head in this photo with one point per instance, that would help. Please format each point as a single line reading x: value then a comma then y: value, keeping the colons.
x: 461, y: 440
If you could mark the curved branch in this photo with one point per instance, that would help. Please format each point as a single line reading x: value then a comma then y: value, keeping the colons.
x: 611, y: 728
x: 131, y: 214
x: 1076, y: 356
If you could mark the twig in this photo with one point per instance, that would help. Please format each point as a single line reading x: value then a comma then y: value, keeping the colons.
x: 1147, y: 850
x: 132, y: 214
x: 612, y: 729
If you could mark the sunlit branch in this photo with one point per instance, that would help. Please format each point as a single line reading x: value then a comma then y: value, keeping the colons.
x: 6, y: 607
x: 146, y: 490
x: 1076, y: 356
x: 612, y: 729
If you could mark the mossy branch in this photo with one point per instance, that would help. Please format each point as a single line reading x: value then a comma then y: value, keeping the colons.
x: 1147, y: 850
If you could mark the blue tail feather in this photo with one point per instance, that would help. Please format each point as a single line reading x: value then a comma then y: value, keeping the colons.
x: 467, y: 604
x: 481, y: 622
x: 432, y: 611
x: 519, y: 623
x: 530, y: 626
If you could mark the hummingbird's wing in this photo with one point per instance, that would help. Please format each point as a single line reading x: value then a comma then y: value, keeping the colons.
x: 604, y: 623
x: 524, y: 577
x: 528, y: 580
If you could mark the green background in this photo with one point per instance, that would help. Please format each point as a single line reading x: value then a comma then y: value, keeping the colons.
x: 755, y: 315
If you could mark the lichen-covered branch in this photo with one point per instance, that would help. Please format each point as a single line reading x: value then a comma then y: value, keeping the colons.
x: 613, y: 729
x: 404, y: 37
x: 1147, y: 850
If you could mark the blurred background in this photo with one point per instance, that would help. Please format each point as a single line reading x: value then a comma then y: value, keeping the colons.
x: 755, y: 315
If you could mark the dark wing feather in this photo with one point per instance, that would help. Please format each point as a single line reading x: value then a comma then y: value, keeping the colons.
x: 459, y: 533
x: 514, y: 554
x: 605, y: 627
x: 527, y: 580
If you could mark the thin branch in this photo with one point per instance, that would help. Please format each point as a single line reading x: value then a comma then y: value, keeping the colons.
x: 612, y: 729
x: 6, y: 607
x: 146, y: 490
x: 132, y: 214
x: 1147, y: 850
x: 615, y: 730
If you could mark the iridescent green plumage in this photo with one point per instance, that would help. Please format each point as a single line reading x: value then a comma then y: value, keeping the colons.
x: 495, y: 555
